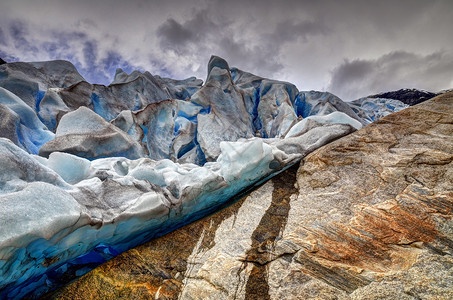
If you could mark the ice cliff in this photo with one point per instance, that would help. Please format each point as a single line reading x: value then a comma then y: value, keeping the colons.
x: 89, y: 171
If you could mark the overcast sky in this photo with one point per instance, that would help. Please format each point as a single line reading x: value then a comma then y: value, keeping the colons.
x: 350, y: 48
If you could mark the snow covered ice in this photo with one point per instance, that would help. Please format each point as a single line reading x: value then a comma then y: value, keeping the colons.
x: 89, y: 171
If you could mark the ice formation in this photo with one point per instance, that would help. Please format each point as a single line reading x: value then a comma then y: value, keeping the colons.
x: 121, y: 164
x: 21, y: 124
x: 372, y: 109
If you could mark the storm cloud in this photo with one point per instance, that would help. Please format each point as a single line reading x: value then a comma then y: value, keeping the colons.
x: 173, y: 33
x: 392, y: 71
x: 352, y: 48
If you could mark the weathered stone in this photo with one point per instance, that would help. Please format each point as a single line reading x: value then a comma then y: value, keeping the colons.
x: 368, y: 216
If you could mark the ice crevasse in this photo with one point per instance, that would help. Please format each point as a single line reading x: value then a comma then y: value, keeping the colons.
x: 86, y: 174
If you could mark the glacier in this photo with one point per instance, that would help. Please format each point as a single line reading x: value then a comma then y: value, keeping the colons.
x: 89, y: 171
x: 372, y: 109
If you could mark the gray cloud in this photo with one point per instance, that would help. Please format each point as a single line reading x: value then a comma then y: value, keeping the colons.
x: 89, y: 52
x: 301, y: 41
x: 197, y: 31
x: 205, y: 34
x: 2, y: 37
x: 19, y: 31
x: 288, y: 31
x: 173, y: 33
x: 395, y: 70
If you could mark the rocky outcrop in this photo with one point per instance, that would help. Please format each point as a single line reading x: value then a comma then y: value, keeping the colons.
x: 407, y: 96
x: 367, y: 216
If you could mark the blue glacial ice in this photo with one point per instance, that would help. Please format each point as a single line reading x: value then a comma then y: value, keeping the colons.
x: 372, y: 109
x: 84, y: 133
x: 21, y: 124
x: 122, y: 164
x: 29, y: 81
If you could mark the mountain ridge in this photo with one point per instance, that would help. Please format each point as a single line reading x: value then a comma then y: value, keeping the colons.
x: 407, y: 96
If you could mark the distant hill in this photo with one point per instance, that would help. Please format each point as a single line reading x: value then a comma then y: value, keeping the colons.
x: 2, y: 61
x: 407, y: 96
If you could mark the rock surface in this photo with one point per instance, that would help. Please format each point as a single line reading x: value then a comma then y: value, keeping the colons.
x: 368, y: 216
